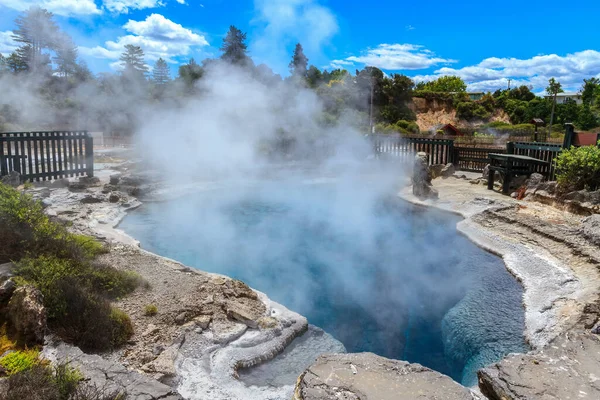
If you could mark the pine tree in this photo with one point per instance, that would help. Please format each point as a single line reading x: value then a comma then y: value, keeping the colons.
x: 234, y: 47
x: 132, y: 61
x: 190, y: 73
x: 16, y: 63
x: 299, y: 64
x: 3, y: 65
x: 66, y: 57
x: 161, y: 74
x: 37, y: 31
x: 587, y: 119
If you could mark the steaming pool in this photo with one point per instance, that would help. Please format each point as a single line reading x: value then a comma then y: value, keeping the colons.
x: 378, y: 274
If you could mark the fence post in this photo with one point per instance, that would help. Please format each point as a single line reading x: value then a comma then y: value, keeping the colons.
x: 89, y: 154
x: 450, y: 158
x: 569, y: 135
x: 510, y: 148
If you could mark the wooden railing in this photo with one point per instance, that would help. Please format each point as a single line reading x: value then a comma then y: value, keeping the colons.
x: 44, y: 156
x: 440, y: 151
x: 542, y: 151
x: 474, y: 159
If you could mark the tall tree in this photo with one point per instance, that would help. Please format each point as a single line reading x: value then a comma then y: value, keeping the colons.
x: 234, y: 47
x: 588, y: 91
x: 314, y: 76
x: 3, y: 65
x: 189, y: 73
x: 132, y: 61
x: 553, y: 89
x: 66, y: 56
x: 587, y: 119
x: 37, y: 31
x: 161, y: 74
x: 299, y: 64
x: 444, y: 84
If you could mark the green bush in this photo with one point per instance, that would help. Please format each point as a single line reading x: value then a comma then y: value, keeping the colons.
x: 122, y: 329
x: 26, y: 229
x: 497, y: 124
x: 578, y: 168
x: 61, y: 382
x: 19, y: 361
x: 471, y: 110
x: 408, y: 126
x: 150, y: 310
x: 61, y: 265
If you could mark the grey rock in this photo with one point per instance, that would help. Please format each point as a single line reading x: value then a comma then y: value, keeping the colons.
x: 6, y: 271
x: 591, y: 229
x: 448, y: 171
x: 12, y: 179
x: 534, y: 180
x: 27, y: 314
x: 60, y: 183
x: 111, y: 376
x: 203, y: 321
x: 91, y: 200
x: 114, y: 198
x: 367, y: 376
x: 7, y: 288
x: 486, y: 172
x: 181, y: 318
x: 436, y: 170
x: 421, y: 179
x: 567, y: 369
x: 114, y: 179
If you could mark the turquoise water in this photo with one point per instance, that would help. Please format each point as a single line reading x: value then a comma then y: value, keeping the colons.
x: 379, y: 275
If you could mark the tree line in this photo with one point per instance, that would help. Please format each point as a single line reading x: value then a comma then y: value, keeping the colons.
x: 369, y: 96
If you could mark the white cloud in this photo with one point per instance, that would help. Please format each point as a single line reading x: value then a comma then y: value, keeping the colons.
x: 493, y: 73
x: 59, y: 7
x: 410, y: 28
x: 124, y: 6
x: 283, y: 23
x: 156, y: 35
x: 183, y: 2
x: 397, y: 57
x: 7, y: 44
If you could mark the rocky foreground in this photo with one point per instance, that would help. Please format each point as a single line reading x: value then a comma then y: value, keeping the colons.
x: 207, y: 327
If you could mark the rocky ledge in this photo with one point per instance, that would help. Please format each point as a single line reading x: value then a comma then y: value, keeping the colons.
x: 367, y: 376
x: 567, y: 369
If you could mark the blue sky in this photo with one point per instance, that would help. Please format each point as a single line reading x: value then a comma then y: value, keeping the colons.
x: 484, y: 43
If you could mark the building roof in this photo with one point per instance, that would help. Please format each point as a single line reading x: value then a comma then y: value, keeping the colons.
x: 565, y: 94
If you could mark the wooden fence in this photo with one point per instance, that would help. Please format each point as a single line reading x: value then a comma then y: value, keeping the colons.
x: 44, y: 156
x: 440, y: 151
x: 542, y: 151
x: 474, y: 159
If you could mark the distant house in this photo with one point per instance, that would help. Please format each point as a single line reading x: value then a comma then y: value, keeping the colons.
x: 562, y: 98
x: 475, y: 95
x: 451, y: 130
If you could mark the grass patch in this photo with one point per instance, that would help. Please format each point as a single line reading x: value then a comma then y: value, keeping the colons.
x: 150, y: 310
x: 19, y: 361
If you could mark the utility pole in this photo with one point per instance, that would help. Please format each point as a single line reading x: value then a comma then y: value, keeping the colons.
x: 371, y: 109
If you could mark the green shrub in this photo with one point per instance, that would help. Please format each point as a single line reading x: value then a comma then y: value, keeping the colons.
x: 26, y: 229
x: 408, y: 126
x: 497, y: 124
x: 578, y: 168
x: 19, y: 361
x: 66, y: 380
x: 61, y: 382
x: 122, y: 329
x: 471, y: 110
x: 150, y: 310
